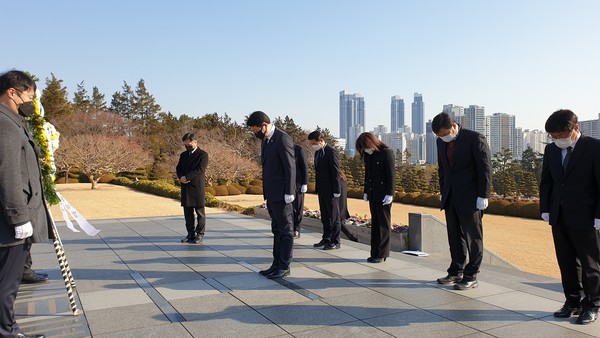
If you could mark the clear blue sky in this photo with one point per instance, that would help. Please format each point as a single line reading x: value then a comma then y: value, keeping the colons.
x: 521, y: 57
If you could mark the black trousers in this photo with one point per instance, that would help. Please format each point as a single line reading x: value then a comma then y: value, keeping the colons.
x: 283, y: 238
x: 465, y: 236
x: 28, y: 272
x: 330, y: 217
x: 192, y: 229
x: 298, y: 206
x: 381, y: 227
x: 12, y: 262
x: 578, y: 255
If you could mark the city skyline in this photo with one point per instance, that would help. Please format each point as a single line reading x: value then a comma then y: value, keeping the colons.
x: 522, y: 58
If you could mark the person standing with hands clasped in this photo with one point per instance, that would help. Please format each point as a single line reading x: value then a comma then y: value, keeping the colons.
x: 328, y: 187
x: 279, y: 186
x: 570, y: 202
x: 379, y: 191
x: 24, y: 218
x: 301, y: 187
x: 191, y: 170
x: 465, y: 173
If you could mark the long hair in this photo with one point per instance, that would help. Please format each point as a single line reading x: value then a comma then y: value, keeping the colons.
x: 369, y: 141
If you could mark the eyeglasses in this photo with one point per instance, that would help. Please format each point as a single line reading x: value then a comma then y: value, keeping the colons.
x: 31, y: 98
x: 563, y: 134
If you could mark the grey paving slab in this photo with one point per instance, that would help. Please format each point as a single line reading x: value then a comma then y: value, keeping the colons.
x: 125, y: 318
x: 419, y: 323
x: 235, y: 324
x: 351, y: 329
x: 213, y: 289
x: 305, y: 316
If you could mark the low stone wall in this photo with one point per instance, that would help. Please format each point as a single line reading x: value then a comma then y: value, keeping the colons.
x: 426, y: 233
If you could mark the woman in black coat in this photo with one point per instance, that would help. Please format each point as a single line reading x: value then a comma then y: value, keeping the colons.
x: 379, y: 191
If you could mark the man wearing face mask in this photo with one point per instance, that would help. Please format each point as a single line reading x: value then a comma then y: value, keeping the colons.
x: 24, y: 218
x: 570, y: 202
x: 191, y: 170
x: 328, y: 188
x: 279, y: 186
x: 464, y: 167
x: 301, y: 187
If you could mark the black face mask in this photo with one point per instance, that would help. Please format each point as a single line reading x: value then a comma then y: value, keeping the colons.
x: 26, y: 109
x: 189, y: 148
x: 259, y: 134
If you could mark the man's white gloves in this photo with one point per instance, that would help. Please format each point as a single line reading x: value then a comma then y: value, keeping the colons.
x: 365, y: 197
x: 337, y: 195
x: 597, y: 223
x: 388, y: 199
x: 482, y: 203
x: 304, y: 188
x: 546, y: 216
x: 288, y: 198
x: 24, y: 231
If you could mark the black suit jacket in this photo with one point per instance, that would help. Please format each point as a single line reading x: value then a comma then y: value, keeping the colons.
x: 193, y: 167
x: 301, y: 166
x: 577, y: 190
x: 379, y: 174
x: 279, y: 167
x: 469, y: 176
x: 327, y: 171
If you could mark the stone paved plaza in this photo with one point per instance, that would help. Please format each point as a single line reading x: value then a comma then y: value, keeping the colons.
x: 135, y: 279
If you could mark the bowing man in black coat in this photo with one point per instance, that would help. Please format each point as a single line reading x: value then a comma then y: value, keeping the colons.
x: 279, y: 186
x: 301, y: 187
x: 465, y: 172
x: 191, y: 171
x: 328, y: 188
x: 379, y: 191
x: 570, y: 202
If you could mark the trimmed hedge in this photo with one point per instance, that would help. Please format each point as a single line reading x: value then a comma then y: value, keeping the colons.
x: 356, y: 193
x: 254, y: 190
x: 257, y: 183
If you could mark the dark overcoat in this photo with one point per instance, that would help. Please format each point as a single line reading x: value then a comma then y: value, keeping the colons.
x: 193, y: 165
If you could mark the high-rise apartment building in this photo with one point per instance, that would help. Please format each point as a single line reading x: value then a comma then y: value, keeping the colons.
x: 502, y: 129
x: 590, y: 128
x: 475, y: 118
x: 397, y: 113
x: 430, y: 145
x: 418, y: 114
x: 352, y: 117
x: 456, y: 112
x: 535, y: 139
x: 518, y: 144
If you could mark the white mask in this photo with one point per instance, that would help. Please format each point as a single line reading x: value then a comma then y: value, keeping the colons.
x: 563, y: 143
x: 448, y: 138
x: 316, y: 147
x: 369, y: 151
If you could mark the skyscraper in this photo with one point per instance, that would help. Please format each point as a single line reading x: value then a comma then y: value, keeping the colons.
x: 456, y: 112
x: 430, y: 145
x: 475, y: 116
x: 502, y: 129
x: 352, y: 115
x: 418, y: 114
x: 397, y: 111
x: 590, y: 128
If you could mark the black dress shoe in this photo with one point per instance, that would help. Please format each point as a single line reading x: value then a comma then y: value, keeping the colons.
x: 34, y: 279
x: 466, y: 285
x: 352, y: 238
x: 587, y: 316
x: 23, y: 335
x: 268, y: 271
x: 450, y: 279
x: 331, y: 246
x: 296, y: 234
x: 376, y: 260
x: 279, y: 273
x: 186, y: 239
x: 321, y: 243
x: 567, y: 311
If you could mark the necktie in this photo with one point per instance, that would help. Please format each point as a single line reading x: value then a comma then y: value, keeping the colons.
x: 567, y: 158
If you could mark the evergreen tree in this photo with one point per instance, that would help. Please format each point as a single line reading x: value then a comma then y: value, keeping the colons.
x: 298, y: 135
x: 122, y: 102
x: 81, y: 99
x: 145, y: 108
x: 532, y: 162
x: 97, y: 102
x: 55, y: 99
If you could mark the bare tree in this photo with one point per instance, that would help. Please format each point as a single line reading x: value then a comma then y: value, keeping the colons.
x: 97, y: 155
x: 224, y: 163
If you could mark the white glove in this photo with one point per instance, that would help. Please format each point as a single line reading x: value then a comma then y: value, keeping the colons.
x: 482, y: 203
x: 365, y: 197
x: 440, y: 197
x: 546, y: 216
x: 388, y: 199
x: 597, y: 223
x: 304, y: 188
x: 24, y: 231
x: 288, y: 198
x: 337, y: 195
